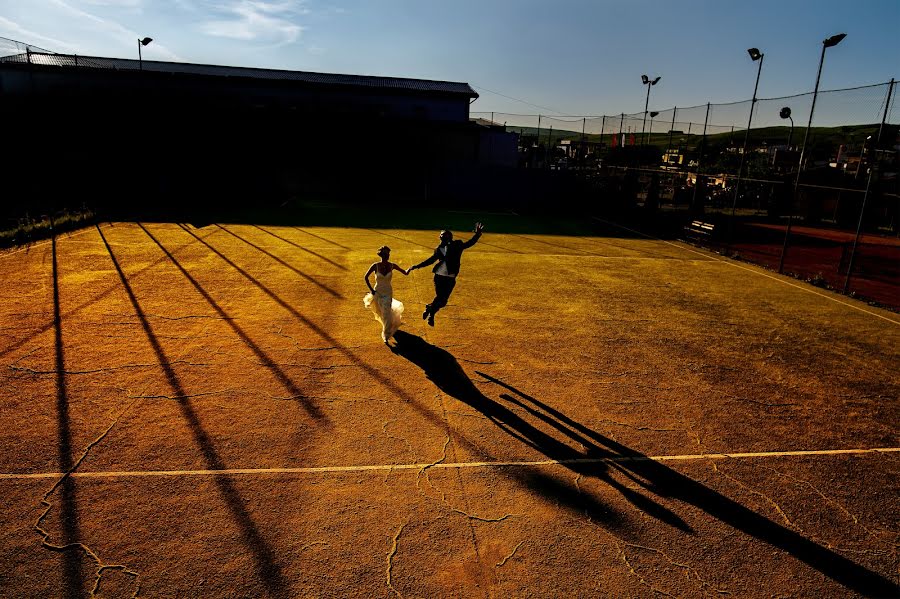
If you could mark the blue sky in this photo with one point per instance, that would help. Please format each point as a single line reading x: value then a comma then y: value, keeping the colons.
x: 563, y: 57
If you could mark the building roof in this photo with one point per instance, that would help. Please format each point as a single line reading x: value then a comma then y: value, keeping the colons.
x: 125, y: 64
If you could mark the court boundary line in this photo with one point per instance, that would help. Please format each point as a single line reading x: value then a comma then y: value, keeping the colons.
x: 718, y: 258
x: 447, y: 465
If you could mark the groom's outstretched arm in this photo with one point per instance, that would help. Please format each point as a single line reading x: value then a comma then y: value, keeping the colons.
x: 475, y: 238
x: 425, y: 262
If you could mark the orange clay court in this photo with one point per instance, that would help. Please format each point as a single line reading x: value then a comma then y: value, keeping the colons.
x: 210, y: 412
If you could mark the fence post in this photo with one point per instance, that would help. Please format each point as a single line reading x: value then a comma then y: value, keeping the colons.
x: 700, y: 158
x: 547, y: 154
x: 671, y: 129
x: 602, y: 132
x: 872, y: 168
x: 583, y: 125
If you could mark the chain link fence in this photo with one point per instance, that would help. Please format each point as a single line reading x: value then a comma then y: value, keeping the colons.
x: 821, y: 205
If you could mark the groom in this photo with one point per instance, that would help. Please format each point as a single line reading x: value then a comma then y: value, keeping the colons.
x: 448, y: 256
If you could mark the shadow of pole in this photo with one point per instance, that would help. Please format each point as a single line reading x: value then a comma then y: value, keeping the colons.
x: 572, y: 498
x: 73, y: 580
x: 321, y: 286
x: 284, y: 379
x: 87, y: 303
x: 322, y: 238
x: 667, y: 482
x: 300, y: 247
x: 267, y: 566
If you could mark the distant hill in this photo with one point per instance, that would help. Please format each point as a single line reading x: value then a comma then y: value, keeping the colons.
x: 820, y: 137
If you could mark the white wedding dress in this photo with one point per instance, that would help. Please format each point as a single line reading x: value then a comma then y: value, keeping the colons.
x: 387, y: 310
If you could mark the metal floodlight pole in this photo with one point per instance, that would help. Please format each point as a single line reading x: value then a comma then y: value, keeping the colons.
x: 872, y: 168
x: 649, y: 83
x: 142, y: 42
x: 786, y: 114
x: 828, y: 43
x: 755, y: 54
x: 644, y: 124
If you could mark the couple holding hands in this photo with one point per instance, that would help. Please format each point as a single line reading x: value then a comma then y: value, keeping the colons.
x: 446, y: 259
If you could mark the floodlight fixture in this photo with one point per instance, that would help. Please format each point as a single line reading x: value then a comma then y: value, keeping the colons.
x: 834, y: 40
x: 786, y: 114
x: 829, y: 42
x: 755, y: 55
x: 649, y: 83
x: 142, y: 42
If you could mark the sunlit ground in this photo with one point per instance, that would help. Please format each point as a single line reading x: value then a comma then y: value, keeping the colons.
x: 234, y: 425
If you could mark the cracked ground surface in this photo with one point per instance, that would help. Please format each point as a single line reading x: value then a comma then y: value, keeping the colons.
x: 211, y: 412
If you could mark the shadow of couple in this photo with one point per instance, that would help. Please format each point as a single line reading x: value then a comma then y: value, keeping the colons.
x: 601, y: 454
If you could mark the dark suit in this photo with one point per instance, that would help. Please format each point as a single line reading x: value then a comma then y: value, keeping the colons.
x: 443, y: 284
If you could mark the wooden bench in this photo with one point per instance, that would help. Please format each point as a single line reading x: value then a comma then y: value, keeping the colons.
x: 699, y: 230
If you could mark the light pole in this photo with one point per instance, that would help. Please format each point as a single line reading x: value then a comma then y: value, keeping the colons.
x: 142, y: 42
x: 830, y: 42
x: 755, y: 55
x: 649, y: 83
x: 650, y: 133
x: 786, y: 114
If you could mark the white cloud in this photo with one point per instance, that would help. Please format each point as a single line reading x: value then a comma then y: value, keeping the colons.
x: 258, y: 20
x: 122, y: 3
x: 120, y: 34
x: 15, y: 31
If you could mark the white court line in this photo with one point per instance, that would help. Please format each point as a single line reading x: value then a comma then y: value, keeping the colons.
x: 747, y: 268
x: 382, y: 467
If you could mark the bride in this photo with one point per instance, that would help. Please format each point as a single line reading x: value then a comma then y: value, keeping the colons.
x: 388, y: 311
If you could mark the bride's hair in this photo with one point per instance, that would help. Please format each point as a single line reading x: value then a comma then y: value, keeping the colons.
x: 383, y: 250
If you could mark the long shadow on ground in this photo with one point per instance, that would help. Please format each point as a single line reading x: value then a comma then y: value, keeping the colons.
x: 442, y: 368
x: 73, y: 576
x: 283, y: 378
x: 267, y: 566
